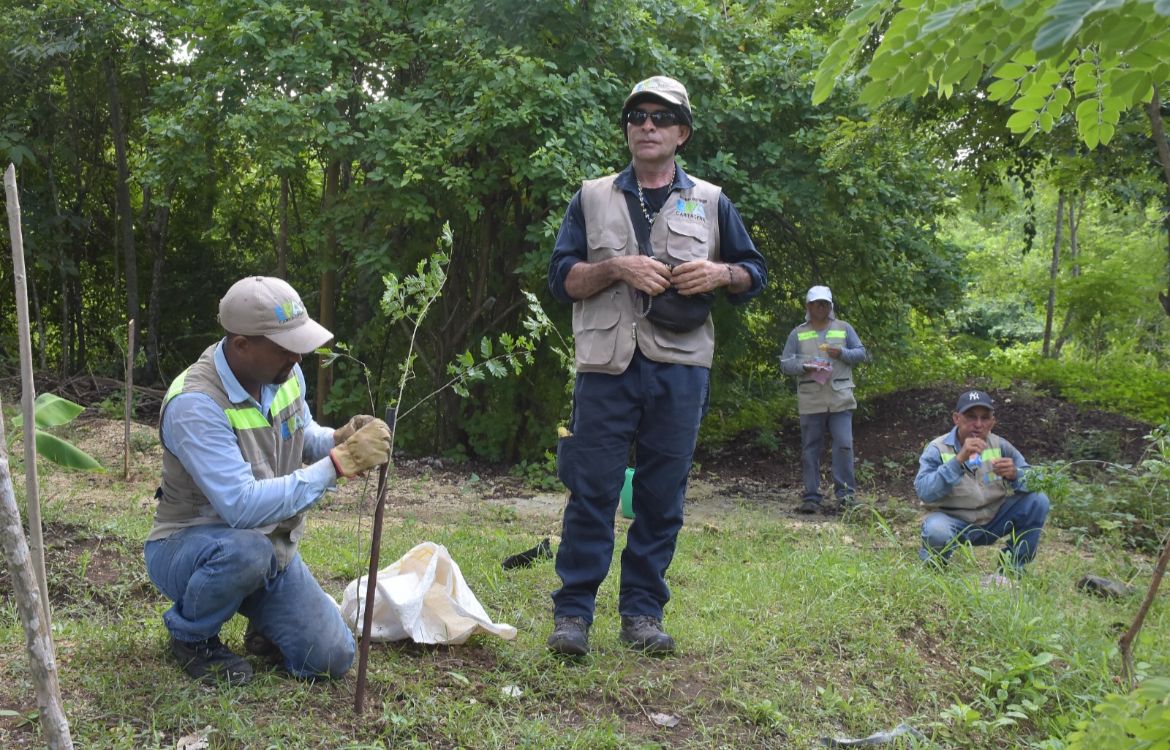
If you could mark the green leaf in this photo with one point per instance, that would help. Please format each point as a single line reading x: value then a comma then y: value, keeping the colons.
x: 1022, y: 121
x: 53, y: 411
x: 1012, y: 70
x: 1001, y: 91
x: 65, y: 454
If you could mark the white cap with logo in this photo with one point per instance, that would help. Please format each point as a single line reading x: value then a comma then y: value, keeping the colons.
x: 269, y: 307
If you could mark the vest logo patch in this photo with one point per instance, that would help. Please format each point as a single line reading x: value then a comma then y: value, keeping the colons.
x: 288, y: 310
x: 691, y: 209
x: 289, y: 427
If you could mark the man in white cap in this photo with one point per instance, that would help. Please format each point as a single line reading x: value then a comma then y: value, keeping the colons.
x: 822, y: 352
x: 975, y: 485
x: 638, y: 255
x: 237, y: 434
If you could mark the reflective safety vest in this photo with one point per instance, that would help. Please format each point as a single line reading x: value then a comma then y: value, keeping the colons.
x: 272, y: 444
x: 980, y: 493
x: 834, y: 395
x: 605, y: 326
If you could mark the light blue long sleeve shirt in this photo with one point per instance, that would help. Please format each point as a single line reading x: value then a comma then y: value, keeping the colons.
x: 196, y: 430
x: 936, y: 478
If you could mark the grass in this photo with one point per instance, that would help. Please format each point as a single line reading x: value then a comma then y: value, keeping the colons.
x: 789, y: 631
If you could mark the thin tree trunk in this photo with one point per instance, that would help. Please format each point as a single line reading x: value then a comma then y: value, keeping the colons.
x: 27, y: 390
x: 1125, y: 643
x: 68, y: 342
x: 122, y: 189
x: 1053, y: 268
x: 157, y: 241
x: 1154, y: 112
x: 37, y: 638
x: 282, y: 234
x: 328, y: 278
x: 1074, y: 224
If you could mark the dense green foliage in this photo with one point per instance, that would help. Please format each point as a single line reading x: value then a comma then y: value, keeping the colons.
x: 1108, y: 56
x: 330, y: 142
x: 164, y: 151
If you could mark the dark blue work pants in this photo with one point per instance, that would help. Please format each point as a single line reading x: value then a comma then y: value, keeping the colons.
x: 657, y: 407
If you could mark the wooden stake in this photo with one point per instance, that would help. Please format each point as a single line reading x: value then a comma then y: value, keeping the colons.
x: 359, y: 697
x: 38, y: 641
x: 28, y: 392
x: 129, y: 399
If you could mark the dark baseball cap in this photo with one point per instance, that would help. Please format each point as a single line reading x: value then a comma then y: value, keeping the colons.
x: 969, y: 399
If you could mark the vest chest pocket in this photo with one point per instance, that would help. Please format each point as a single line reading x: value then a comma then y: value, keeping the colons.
x: 686, y: 237
x: 606, y: 243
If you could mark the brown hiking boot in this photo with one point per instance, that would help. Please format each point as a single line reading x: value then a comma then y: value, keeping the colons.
x: 570, y: 636
x: 644, y: 633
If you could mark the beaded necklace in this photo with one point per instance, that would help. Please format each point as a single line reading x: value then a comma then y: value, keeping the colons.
x: 642, y: 198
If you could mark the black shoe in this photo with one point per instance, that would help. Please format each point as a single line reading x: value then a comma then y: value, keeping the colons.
x: 211, y: 661
x: 258, y: 644
x: 644, y: 633
x: 809, y: 506
x: 570, y: 636
x: 848, y: 502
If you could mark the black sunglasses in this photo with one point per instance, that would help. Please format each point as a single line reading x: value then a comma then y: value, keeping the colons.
x: 663, y: 118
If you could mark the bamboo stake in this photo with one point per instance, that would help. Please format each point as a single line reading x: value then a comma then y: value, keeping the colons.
x: 38, y: 641
x: 128, y: 399
x: 27, y: 392
x: 359, y: 697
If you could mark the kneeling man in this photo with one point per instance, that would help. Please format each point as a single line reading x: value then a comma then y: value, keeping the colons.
x: 975, y: 482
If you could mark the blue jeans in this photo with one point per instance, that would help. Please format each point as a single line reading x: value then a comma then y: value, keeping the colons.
x: 658, y: 407
x: 839, y: 425
x: 212, y: 572
x: 1019, y: 520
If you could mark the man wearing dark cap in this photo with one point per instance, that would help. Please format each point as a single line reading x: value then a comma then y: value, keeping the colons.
x: 237, y: 434
x: 974, y: 482
x: 638, y: 255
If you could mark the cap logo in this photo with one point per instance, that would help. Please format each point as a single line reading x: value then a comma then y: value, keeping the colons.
x: 691, y: 209
x: 973, y: 396
x: 288, y: 310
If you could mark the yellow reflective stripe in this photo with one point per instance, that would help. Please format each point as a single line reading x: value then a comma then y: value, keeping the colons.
x: 834, y: 334
x: 285, y: 396
x: 987, y: 455
x: 249, y: 418
x: 805, y: 335
x: 176, y: 386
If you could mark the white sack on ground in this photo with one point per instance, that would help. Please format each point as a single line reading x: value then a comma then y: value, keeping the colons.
x: 422, y: 597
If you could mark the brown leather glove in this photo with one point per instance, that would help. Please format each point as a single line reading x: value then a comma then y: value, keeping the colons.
x: 346, y: 431
x: 365, y: 449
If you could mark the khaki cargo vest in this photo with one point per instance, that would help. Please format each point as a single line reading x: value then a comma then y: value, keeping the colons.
x: 273, y: 448
x: 837, y: 393
x: 605, y: 327
x: 977, y: 497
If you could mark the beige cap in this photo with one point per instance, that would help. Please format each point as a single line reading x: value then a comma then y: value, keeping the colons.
x: 666, y: 90
x: 269, y: 307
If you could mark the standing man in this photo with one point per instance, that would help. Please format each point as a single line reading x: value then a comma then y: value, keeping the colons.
x: 975, y: 482
x: 821, y: 352
x: 638, y: 255
x: 236, y: 432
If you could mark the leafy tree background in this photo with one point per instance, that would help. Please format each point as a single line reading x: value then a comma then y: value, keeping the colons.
x: 330, y: 142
